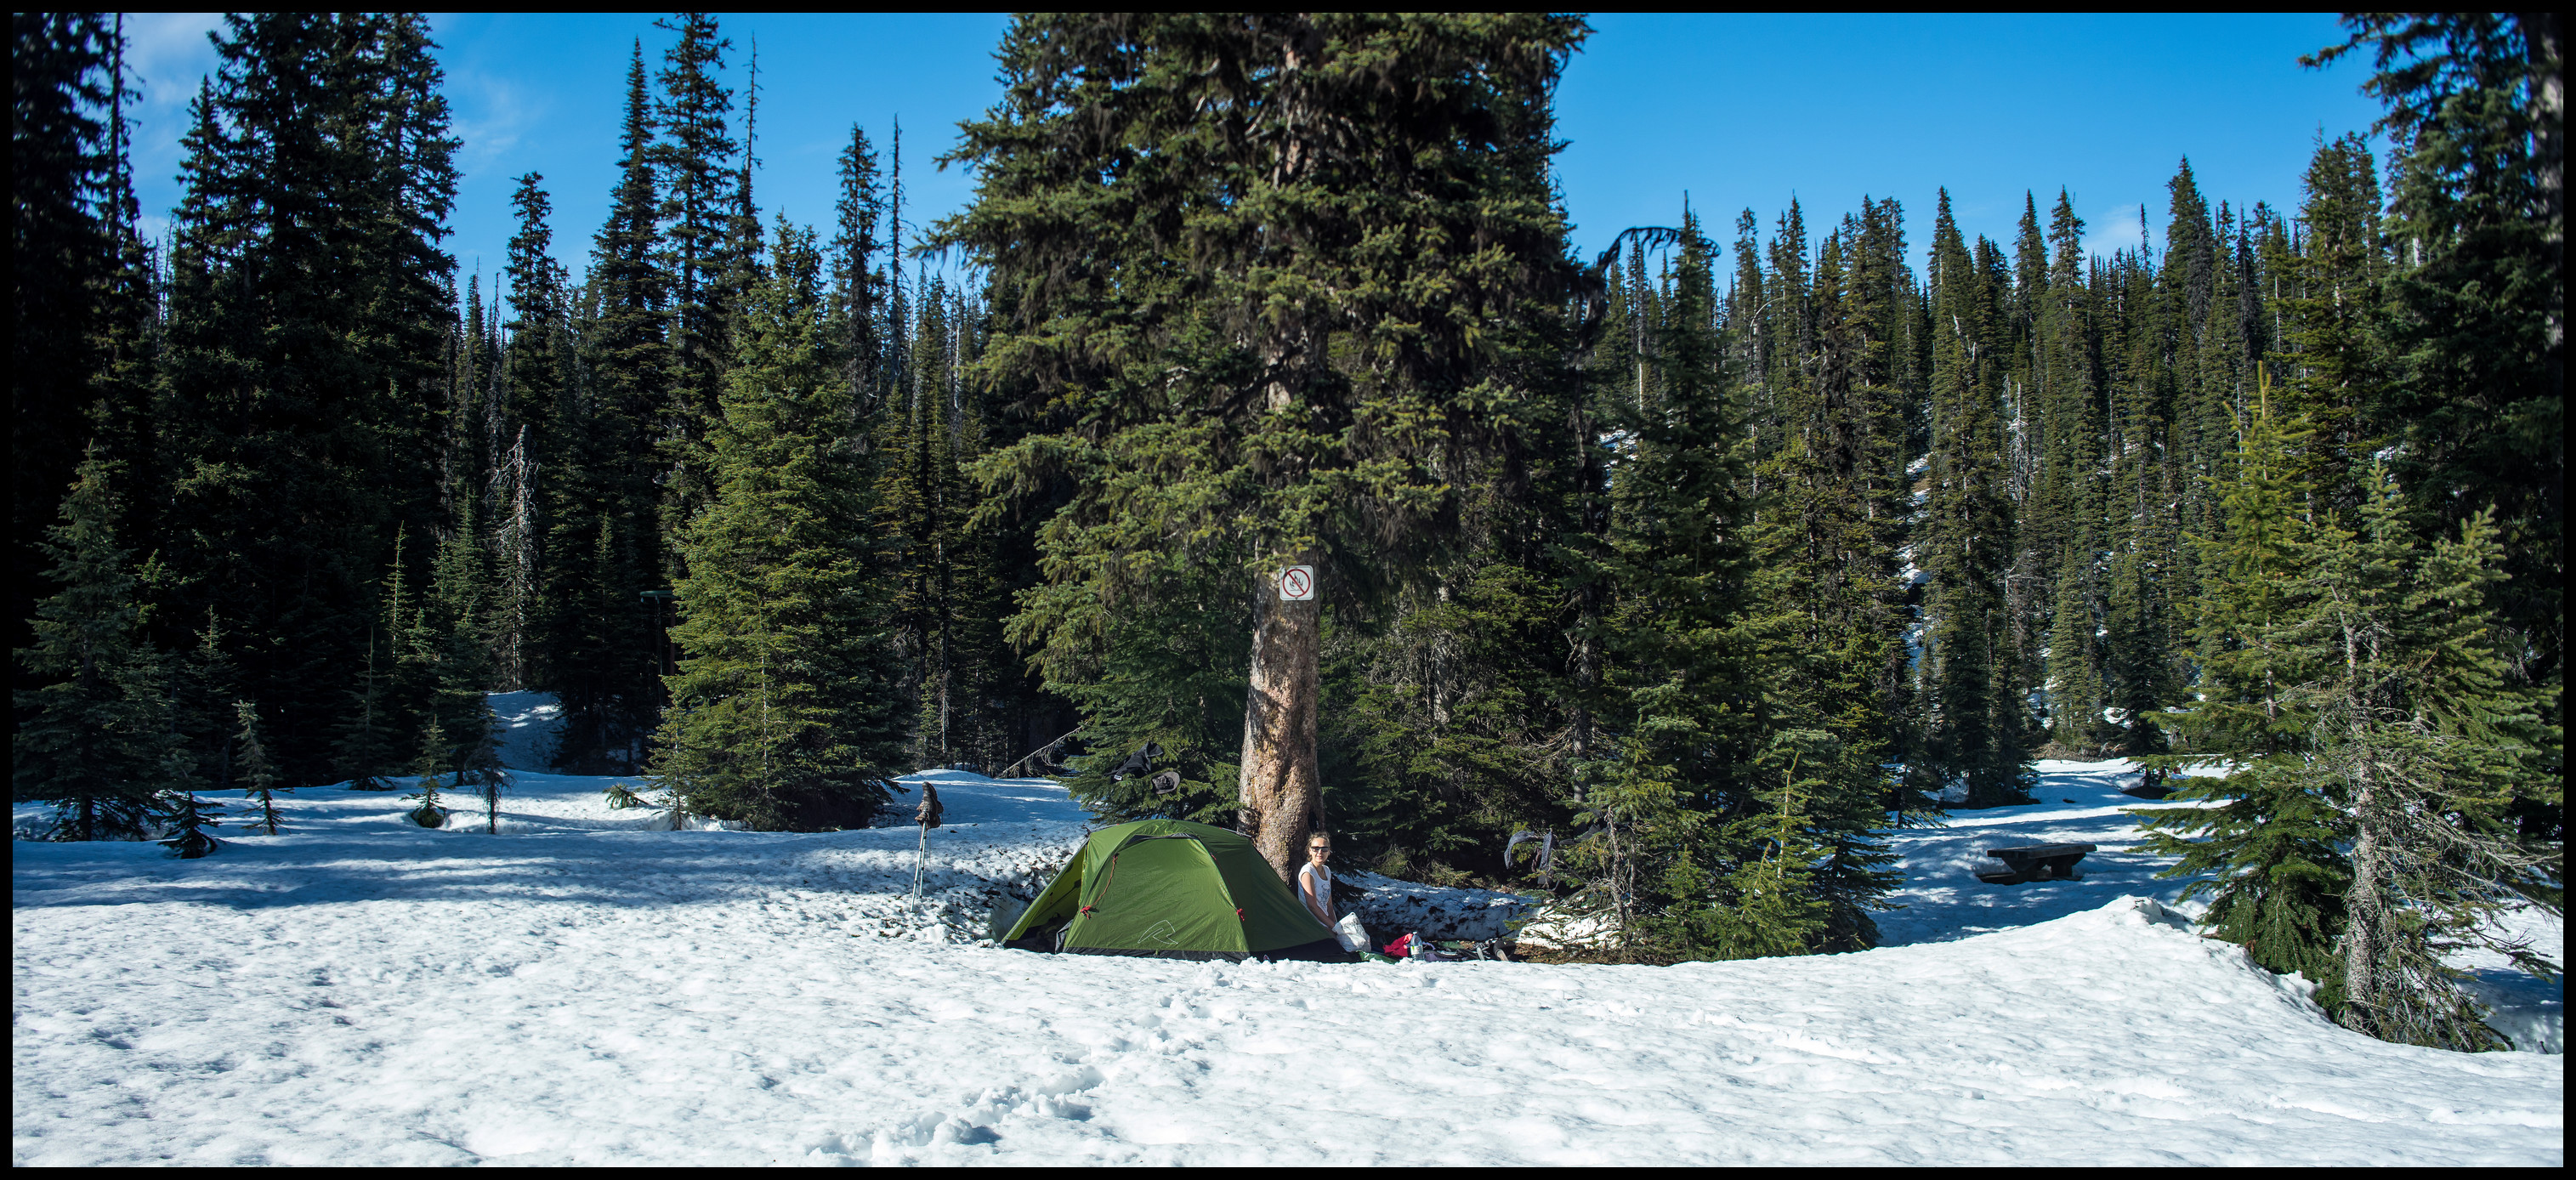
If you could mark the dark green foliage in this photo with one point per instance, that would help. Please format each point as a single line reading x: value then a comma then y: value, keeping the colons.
x: 72, y: 255
x: 1328, y: 420
x: 1166, y: 670
x: 432, y: 665
x: 188, y: 821
x: 783, y: 714
x: 1607, y: 556
x: 205, y: 694
x: 258, y: 776
x: 1975, y: 665
x: 2270, y: 853
x: 1830, y: 651
x: 307, y: 309
x: 1444, y: 729
x: 945, y: 604
x: 606, y: 663
x: 1731, y: 805
x: 99, y: 738
x: 427, y: 765
x: 2475, y: 320
x: 2357, y: 688
x: 858, y: 286
x: 699, y: 203
x: 1237, y: 348
x: 2418, y: 730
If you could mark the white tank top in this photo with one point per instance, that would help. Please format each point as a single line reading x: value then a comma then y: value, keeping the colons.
x: 1318, y: 885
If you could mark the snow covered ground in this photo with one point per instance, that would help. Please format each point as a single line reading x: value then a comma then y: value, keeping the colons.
x: 580, y: 989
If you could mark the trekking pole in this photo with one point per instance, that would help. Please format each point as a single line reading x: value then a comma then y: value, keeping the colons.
x: 920, y: 857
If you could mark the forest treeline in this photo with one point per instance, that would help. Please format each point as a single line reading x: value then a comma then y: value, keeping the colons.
x: 1710, y: 558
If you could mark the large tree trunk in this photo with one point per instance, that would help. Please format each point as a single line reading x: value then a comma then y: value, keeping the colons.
x: 1282, y: 794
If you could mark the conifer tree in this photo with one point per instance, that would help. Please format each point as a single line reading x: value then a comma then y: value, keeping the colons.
x: 1774, y: 904
x: 206, y: 688
x: 385, y: 705
x: 1825, y: 546
x: 2417, y: 731
x: 258, y: 775
x: 61, y: 169
x: 1167, y: 675
x: 479, y: 769
x: 1447, y: 725
x: 607, y: 537
x: 857, y: 285
x: 1683, y: 654
x: 534, y: 509
x: 2329, y: 347
x: 98, y: 739
x: 783, y: 714
x: 308, y: 304
x: 188, y: 820
x: 426, y: 768
x: 2476, y: 308
x: 2269, y: 854
x: 700, y: 200
x: 2063, y: 518
x: 1317, y: 424
x: 1973, y: 668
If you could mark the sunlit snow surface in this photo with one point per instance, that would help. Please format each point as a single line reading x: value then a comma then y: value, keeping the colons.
x: 578, y: 989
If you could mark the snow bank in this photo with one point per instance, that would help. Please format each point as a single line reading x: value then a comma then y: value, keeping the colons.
x: 1436, y: 912
x: 580, y: 990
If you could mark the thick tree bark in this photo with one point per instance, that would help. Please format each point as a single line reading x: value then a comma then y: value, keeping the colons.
x: 1282, y: 793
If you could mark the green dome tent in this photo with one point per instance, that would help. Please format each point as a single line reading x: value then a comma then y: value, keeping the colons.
x: 1170, y: 889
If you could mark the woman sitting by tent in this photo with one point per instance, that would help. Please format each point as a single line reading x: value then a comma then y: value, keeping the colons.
x: 1315, y: 881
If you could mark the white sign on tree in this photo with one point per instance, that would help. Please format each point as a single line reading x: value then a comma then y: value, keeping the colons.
x: 1297, y: 584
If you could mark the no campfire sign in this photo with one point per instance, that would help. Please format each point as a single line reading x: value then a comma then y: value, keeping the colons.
x: 1297, y: 584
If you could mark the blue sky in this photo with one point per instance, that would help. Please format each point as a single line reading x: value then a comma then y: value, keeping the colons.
x: 1736, y: 111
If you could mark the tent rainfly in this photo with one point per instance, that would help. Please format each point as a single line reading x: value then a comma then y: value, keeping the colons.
x: 1170, y: 889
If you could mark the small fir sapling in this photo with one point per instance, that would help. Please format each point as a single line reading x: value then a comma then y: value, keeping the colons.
x: 258, y: 776
x: 433, y: 748
x: 621, y: 796
x: 189, y: 820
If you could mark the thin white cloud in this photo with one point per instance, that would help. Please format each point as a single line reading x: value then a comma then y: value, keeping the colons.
x: 166, y: 52
x: 2112, y: 229
x: 489, y: 115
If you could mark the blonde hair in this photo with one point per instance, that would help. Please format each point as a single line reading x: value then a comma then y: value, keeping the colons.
x: 1318, y: 834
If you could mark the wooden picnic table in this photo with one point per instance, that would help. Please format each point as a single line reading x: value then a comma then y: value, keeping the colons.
x: 2035, y: 862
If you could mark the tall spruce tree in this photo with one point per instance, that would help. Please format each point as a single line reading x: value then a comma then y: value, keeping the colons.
x: 858, y: 286
x: 2418, y: 732
x: 609, y: 676
x: 1314, y: 362
x: 60, y: 172
x: 2476, y: 314
x: 307, y: 309
x: 700, y: 203
x: 84, y: 327
x: 2269, y: 853
x: 1975, y: 690
x: 99, y: 738
x: 784, y: 714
